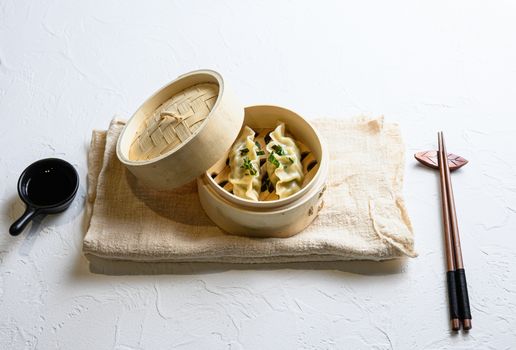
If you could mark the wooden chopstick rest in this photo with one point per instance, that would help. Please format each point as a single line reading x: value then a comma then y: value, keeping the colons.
x: 430, y: 159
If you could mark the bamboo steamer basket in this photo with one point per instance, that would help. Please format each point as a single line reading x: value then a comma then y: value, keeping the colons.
x: 270, y: 218
x: 200, y: 146
x: 202, y: 152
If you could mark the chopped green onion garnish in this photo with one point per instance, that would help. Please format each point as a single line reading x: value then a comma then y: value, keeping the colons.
x: 273, y: 160
x: 244, y: 151
x: 260, y: 153
x: 279, y: 150
x: 249, y: 166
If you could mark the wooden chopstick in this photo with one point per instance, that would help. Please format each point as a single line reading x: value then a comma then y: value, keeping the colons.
x: 460, y: 273
x: 448, y: 240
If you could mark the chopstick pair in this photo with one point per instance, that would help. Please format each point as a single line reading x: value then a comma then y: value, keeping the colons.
x: 456, y: 275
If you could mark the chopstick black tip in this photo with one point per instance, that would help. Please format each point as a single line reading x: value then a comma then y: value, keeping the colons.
x: 462, y: 294
x: 452, y: 295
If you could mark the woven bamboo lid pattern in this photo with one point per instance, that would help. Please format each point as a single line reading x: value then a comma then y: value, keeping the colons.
x: 174, y: 121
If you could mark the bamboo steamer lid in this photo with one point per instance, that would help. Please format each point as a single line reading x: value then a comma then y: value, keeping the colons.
x: 181, y: 131
x: 173, y: 122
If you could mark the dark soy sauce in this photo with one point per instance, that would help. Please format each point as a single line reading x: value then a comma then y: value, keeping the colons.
x: 49, y: 185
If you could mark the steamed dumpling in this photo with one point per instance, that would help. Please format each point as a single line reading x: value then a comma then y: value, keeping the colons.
x: 244, y: 161
x: 284, y: 163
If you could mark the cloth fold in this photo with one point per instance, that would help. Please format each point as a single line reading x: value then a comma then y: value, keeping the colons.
x: 364, y: 216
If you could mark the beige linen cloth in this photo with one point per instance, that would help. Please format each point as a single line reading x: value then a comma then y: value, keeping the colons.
x: 363, y: 216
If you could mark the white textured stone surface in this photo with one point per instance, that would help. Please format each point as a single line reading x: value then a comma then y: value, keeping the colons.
x: 67, y: 67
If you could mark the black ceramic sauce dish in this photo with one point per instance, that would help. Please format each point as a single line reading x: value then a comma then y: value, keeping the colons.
x: 47, y: 186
